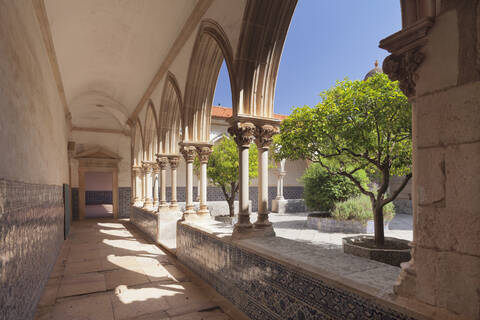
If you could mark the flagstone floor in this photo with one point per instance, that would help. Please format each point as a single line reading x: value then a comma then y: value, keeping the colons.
x: 109, y: 270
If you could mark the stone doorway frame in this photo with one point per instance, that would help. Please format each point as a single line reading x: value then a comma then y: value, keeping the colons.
x: 97, y: 159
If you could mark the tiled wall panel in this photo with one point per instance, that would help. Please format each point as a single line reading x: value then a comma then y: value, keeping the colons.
x: 266, y: 289
x: 31, y: 233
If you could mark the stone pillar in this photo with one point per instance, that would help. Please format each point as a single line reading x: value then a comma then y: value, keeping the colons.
x: 263, y: 140
x: 174, y: 160
x: 163, y: 163
x: 156, y: 182
x: 244, y: 134
x: 203, y: 154
x: 279, y: 203
x: 143, y: 189
x: 137, y: 192
x: 188, y: 153
x: 148, y: 204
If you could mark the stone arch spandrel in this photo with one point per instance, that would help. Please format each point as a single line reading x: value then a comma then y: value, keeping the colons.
x: 150, y: 133
x: 211, y: 48
x: 264, y: 29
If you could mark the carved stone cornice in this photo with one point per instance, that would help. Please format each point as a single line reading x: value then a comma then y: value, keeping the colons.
x: 264, y: 135
x: 203, y: 153
x: 188, y: 152
x: 174, y: 161
x: 406, y: 56
x: 243, y: 133
x: 162, y: 162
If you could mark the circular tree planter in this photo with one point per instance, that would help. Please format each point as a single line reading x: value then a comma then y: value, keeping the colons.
x: 324, y: 223
x: 394, y: 252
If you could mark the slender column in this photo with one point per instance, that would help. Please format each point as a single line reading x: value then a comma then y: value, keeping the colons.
x: 281, y: 175
x: 148, y: 204
x: 199, y: 186
x: 174, y: 160
x: 188, y: 153
x: 142, y: 185
x: 243, y: 133
x: 137, y: 200
x: 156, y: 182
x: 263, y: 140
x: 163, y: 163
x: 203, y: 154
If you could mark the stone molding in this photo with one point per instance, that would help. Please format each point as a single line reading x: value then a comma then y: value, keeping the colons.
x: 243, y: 133
x: 174, y: 161
x: 264, y: 135
x: 406, y: 56
x: 188, y: 152
x: 204, y: 153
x: 162, y: 162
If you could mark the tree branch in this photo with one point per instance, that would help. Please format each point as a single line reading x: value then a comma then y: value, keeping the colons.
x: 397, y: 192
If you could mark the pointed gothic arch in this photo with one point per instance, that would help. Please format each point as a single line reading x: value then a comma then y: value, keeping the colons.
x: 211, y: 48
x: 170, y: 116
x: 150, y: 135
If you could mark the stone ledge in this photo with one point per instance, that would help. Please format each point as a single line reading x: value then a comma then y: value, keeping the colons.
x: 255, y: 274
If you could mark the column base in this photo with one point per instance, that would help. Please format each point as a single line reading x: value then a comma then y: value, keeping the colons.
x: 279, y: 205
x: 250, y: 231
x: 148, y: 205
x: 156, y: 204
x: 174, y: 205
x: 195, y: 216
x: 203, y: 210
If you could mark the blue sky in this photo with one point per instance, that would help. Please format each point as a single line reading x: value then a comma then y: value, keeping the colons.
x: 327, y: 41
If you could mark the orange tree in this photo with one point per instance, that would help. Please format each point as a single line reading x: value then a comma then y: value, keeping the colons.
x: 357, y: 125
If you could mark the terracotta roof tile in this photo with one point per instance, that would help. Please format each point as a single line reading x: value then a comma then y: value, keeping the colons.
x: 223, y: 112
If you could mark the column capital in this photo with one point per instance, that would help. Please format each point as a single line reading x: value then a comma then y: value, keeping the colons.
x: 147, y: 166
x: 203, y: 153
x: 162, y: 161
x: 174, y: 161
x: 243, y: 133
x: 406, y: 56
x: 264, y: 135
x: 188, y: 152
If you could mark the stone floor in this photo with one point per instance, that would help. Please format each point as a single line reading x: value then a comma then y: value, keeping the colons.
x: 109, y: 270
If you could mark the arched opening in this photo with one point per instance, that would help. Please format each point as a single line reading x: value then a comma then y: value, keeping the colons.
x: 151, y: 134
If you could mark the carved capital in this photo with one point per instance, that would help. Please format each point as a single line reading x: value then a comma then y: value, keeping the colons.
x: 264, y: 135
x: 203, y: 153
x: 243, y: 133
x: 188, y: 153
x: 406, y: 56
x: 162, y: 162
x: 174, y: 161
x: 402, y: 67
x: 147, y: 167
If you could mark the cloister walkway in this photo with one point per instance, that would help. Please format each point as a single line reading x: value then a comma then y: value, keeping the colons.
x: 107, y: 269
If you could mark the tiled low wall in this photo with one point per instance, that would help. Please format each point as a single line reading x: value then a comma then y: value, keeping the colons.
x: 145, y: 221
x: 124, y: 201
x: 266, y: 289
x: 31, y: 233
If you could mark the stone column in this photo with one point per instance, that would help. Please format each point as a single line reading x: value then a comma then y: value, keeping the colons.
x: 148, y: 204
x: 188, y: 153
x: 174, y: 160
x: 137, y: 195
x: 263, y: 140
x: 203, y: 154
x: 244, y: 134
x: 163, y: 163
x: 156, y: 181
x: 281, y: 175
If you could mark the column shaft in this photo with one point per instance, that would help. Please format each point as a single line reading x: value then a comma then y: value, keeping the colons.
x: 156, y: 185
x: 148, y: 204
x: 203, y: 154
x: 174, y: 160
x: 188, y: 153
x: 262, y: 187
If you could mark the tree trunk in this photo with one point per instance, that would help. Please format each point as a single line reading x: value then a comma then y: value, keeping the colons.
x: 231, y: 206
x: 378, y: 223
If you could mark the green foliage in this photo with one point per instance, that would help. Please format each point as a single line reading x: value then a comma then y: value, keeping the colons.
x: 358, y: 125
x: 322, y: 189
x: 360, y: 208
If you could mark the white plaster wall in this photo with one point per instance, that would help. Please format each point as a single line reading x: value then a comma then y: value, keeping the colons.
x: 118, y: 143
x: 98, y: 181
x: 33, y: 130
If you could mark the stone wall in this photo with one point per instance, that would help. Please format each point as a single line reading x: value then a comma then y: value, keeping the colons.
x: 266, y: 289
x: 124, y: 202
x: 445, y: 270
x: 31, y: 233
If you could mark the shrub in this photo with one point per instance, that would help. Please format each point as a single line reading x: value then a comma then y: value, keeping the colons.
x: 322, y: 190
x: 360, y: 208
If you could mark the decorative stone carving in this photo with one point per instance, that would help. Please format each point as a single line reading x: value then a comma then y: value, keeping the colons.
x: 264, y: 135
x: 203, y: 153
x: 188, y: 153
x: 402, y: 68
x: 162, y: 162
x: 243, y: 133
x: 174, y: 161
x: 406, y: 56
